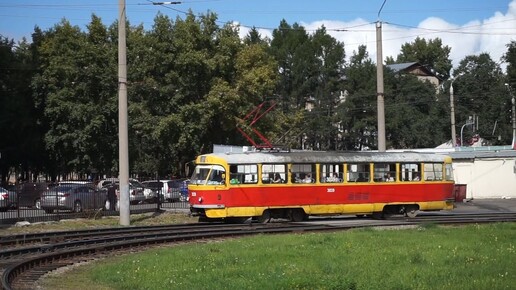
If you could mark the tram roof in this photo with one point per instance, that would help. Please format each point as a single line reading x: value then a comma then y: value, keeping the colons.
x: 327, y: 157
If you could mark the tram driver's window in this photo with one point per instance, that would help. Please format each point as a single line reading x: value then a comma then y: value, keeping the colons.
x: 303, y: 173
x: 433, y: 171
x: 217, y: 175
x: 274, y: 173
x: 358, y: 172
x: 244, y: 173
x: 410, y: 172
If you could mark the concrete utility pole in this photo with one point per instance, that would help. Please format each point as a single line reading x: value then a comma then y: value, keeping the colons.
x: 379, y: 85
x: 452, y: 116
x: 513, y: 101
x: 123, y: 147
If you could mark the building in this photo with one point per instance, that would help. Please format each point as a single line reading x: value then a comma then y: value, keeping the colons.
x: 486, y: 174
x: 415, y: 68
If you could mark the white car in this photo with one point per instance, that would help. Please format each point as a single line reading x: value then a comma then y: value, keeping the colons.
x: 7, y: 199
x: 136, y: 189
x: 168, y: 189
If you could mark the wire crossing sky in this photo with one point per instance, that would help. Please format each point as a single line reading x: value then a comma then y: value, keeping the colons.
x: 469, y: 27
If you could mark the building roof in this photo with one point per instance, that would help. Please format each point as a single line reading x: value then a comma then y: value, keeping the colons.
x: 411, y: 66
x: 396, y: 67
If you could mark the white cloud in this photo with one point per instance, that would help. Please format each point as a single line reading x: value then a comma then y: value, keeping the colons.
x: 489, y: 35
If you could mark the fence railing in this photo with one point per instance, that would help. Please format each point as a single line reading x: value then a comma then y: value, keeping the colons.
x: 46, y: 206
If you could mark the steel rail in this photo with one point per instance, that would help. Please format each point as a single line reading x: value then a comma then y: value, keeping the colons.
x: 59, y: 255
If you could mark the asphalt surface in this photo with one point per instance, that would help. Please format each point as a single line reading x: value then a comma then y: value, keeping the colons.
x: 486, y: 205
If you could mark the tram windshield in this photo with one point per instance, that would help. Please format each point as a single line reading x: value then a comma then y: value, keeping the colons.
x: 208, y: 174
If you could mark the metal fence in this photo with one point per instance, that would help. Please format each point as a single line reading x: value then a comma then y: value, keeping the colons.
x: 44, y: 208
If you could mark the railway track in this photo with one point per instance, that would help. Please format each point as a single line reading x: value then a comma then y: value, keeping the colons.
x: 25, y: 258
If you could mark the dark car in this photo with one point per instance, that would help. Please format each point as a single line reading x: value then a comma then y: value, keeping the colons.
x: 29, y: 194
x: 73, y: 196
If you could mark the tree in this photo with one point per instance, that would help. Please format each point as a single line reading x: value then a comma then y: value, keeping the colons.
x: 357, y: 111
x: 480, y: 93
x: 76, y: 89
x: 510, y: 58
x: 22, y: 150
x: 414, y: 117
x: 290, y: 49
x: 329, y: 61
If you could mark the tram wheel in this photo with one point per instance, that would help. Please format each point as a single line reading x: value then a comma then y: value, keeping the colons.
x: 411, y: 212
x: 298, y: 215
x: 377, y: 215
x: 265, y: 217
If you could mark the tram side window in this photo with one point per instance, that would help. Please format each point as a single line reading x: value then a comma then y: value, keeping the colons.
x: 245, y: 173
x: 331, y: 173
x: 358, y: 172
x: 303, y: 173
x: 449, y: 172
x: 433, y: 171
x: 274, y: 173
x: 410, y: 172
x: 384, y: 172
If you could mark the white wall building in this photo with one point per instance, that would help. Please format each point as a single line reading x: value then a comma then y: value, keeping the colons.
x: 486, y: 174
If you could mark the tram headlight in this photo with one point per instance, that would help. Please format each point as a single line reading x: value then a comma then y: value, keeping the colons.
x: 200, y: 199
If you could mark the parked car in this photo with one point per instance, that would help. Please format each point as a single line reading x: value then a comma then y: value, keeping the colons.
x: 156, y: 186
x: 106, y: 182
x: 136, y: 194
x: 150, y: 194
x: 7, y: 199
x: 72, y: 196
x: 29, y: 194
x: 169, y: 189
x: 184, y: 189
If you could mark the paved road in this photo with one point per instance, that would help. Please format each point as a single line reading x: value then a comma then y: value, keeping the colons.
x: 487, y: 205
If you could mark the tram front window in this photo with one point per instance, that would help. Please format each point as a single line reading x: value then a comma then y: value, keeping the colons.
x: 208, y: 174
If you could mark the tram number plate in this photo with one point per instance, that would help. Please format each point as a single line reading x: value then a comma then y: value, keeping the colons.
x: 330, y: 190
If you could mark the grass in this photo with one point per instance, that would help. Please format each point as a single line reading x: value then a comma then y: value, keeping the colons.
x: 429, y: 257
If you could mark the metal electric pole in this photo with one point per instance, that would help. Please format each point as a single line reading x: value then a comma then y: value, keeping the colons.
x: 379, y: 85
x: 123, y: 147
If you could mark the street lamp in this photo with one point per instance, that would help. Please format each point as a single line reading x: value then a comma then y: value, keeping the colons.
x: 470, y: 121
x: 452, y: 113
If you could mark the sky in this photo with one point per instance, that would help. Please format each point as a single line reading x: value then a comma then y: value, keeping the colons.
x: 468, y: 27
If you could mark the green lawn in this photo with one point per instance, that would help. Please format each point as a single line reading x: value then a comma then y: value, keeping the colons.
x: 429, y: 257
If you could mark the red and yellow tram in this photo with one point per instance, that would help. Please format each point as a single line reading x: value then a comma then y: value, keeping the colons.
x: 295, y: 185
